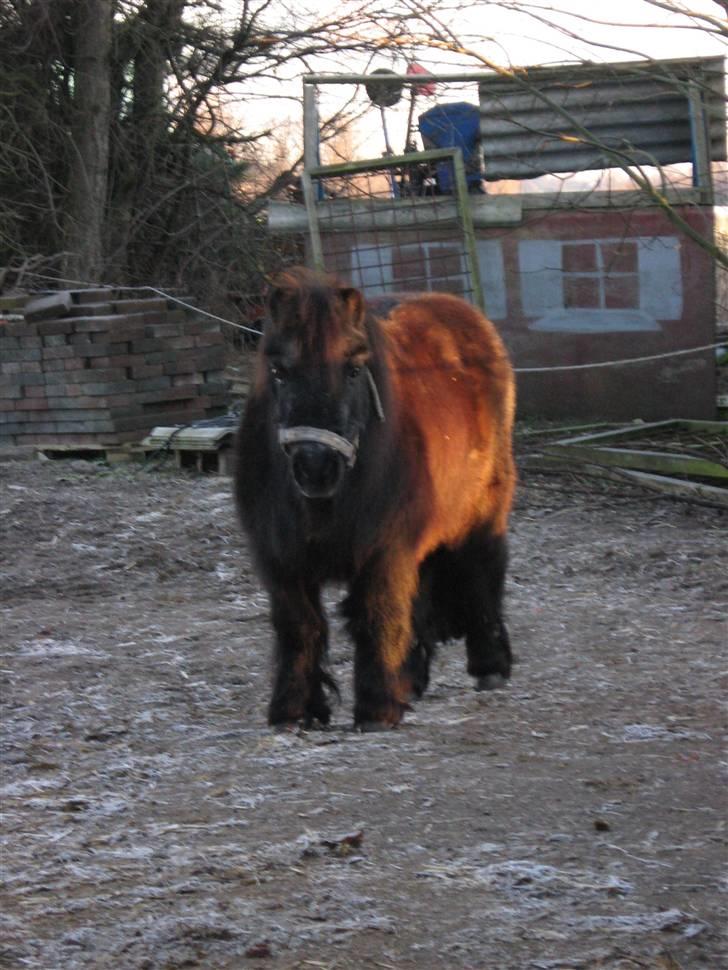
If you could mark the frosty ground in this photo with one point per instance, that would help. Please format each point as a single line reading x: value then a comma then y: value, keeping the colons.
x: 575, y: 819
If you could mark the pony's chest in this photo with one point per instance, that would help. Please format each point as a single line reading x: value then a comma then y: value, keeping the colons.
x: 321, y: 546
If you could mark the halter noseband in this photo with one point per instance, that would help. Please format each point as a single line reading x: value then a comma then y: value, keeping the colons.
x: 319, y: 436
x: 348, y: 449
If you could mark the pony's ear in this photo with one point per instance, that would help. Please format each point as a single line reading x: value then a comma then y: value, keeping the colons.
x: 273, y: 299
x: 354, y: 303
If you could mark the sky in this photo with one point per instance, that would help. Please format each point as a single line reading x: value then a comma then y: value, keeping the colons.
x: 620, y: 30
x: 526, y: 40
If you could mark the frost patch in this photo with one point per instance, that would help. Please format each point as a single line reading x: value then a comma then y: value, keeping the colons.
x: 658, y: 732
x: 671, y: 919
x: 49, y: 647
x: 149, y: 517
x: 524, y: 877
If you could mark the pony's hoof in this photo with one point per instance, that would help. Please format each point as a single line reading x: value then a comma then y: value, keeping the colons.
x: 490, y: 682
x: 370, y: 727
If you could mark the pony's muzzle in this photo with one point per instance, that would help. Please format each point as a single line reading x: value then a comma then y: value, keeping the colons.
x: 318, y: 459
x: 317, y: 469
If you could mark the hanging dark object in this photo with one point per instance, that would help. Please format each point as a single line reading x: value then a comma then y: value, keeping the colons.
x: 384, y: 93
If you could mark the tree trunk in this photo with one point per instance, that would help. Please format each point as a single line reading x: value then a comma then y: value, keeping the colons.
x: 89, y: 149
x: 142, y: 152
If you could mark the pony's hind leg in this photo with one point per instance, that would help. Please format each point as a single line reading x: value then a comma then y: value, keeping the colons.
x: 300, y: 676
x: 417, y: 668
x: 483, y: 560
x: 424, y: 638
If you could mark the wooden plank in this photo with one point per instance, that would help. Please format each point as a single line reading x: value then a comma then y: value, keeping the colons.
x: 639, y: 430
x: 188, y: 439
x: 711, y: 495
x: 63, y: 449
x: 649, y: 461
x: 111, y: 454
x: 526, y: 432
x: 617, y: 434
x: 717, y: 427
x: 677, y: 487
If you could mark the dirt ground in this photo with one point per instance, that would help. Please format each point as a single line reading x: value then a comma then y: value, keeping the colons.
x: 575, y: 819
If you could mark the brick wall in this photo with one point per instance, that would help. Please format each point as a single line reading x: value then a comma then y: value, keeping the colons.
x: 93, y: 367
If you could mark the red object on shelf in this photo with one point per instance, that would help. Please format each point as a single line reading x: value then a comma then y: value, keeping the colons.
x: 415, y: 68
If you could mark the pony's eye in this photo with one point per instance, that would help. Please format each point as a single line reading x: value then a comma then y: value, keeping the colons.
x: 352, y: 371
x: 277, y: 372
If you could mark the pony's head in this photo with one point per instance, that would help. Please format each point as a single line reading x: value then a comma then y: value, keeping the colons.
x: 316, y: 354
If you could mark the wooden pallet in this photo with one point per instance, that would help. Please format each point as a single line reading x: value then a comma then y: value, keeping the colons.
x: 206, y: 449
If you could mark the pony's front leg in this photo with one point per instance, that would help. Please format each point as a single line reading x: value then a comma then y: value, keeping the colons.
x: 301, y: 647
x: 379, y: 609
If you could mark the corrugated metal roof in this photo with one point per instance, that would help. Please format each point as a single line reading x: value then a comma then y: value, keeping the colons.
x: 642, y: 109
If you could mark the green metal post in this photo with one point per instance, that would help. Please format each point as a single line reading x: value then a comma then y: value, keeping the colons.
x: 309, y: 197
x: 466, y: 221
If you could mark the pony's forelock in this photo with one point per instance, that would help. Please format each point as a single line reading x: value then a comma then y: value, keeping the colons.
x: 318, y: 309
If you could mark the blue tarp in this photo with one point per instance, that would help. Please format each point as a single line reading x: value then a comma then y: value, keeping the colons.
x: 453, y: 126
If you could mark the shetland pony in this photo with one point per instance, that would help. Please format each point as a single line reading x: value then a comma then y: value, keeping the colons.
x: 375, y: 450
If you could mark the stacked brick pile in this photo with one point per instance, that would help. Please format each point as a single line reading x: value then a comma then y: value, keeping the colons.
x: 88, y: 367
x: 240, y: 374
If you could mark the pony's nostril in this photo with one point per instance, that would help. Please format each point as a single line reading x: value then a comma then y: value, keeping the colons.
x: 317, y: 470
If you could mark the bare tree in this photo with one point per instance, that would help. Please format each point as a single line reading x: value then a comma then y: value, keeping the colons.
x: 116, y: 144
x: 89, y: 142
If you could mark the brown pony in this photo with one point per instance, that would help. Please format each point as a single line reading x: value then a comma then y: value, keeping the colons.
x: 376, y: 450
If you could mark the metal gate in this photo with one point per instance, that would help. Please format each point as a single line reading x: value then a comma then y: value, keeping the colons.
x: 397, y: 223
